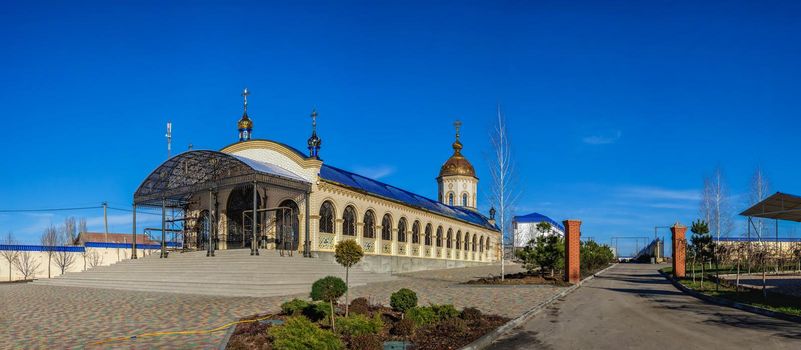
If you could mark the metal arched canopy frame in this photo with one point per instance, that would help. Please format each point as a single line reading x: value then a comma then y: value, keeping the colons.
x: 176, y: 180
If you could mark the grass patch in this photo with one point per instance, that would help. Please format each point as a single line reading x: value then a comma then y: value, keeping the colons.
x: 774, y: 302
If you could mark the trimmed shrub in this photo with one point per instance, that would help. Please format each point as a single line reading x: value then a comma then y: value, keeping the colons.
x: 404, y: 328
x: 329, y: 289
x: 355, y: 325
x: 360, y: 306
x: 444, y: 311
x: 366, y: 342
x: 318, y: 311
x: 422, y: 315
x: 403, y: 300
x: 298, y: 333
x: 471, y: 314
x: 294, y: 307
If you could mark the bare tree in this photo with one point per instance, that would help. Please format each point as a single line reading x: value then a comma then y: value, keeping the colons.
x: 63, y: 258
x: 27, y: 264
x: 504, y: 191
x: 759, y: 191
x: 721, y: 221
x: 82, y: 225
x: 9, y: 255
x: 95, y: 259
x: 49, y: 241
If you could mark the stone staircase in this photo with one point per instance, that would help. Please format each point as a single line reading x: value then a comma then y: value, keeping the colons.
x: 230, y: 273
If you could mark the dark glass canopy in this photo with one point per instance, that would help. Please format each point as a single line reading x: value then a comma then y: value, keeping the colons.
x: 180, y: 177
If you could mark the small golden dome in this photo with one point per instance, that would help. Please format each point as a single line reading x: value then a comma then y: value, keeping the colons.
x: 245, y: 123
x: 457, y: 164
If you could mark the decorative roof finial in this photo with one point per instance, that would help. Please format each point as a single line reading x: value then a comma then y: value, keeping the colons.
x: 458, y: 125
x: 245, y: 94
x: 314, y: 141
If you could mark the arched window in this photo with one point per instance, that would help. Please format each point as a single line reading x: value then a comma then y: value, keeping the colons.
x: 481, y: 245
x: 449, y: 239
x: 450, y: 199
x: 402, y: 230
x: 474, y: 242
x: 464, y: 199
x: 416, y: 232
x: 369, y: 224
x: 467, y: 241
x: 439, y: 236
x: 428, y: 234
x: 349, y: 221
x: 487, y: 245
x: 386, y: 228
x: 458, y: 239
x: 327, y: 217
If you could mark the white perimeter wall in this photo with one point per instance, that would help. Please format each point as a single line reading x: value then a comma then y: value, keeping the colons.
x: 108, y: 256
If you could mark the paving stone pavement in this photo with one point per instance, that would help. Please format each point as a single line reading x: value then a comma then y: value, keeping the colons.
x: 53, y: 317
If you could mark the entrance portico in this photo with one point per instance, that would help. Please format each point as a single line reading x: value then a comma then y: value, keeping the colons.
x: 218, y: 194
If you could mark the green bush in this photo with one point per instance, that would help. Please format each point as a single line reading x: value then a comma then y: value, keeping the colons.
x: 318, y: 311
x: 355, y: 325
x: 594, y: 256
x: 366, y: 342
x: 298, y: 333
x: 328, y: 289
x: 404, y: 328
x: 471, y: 313
x: 422, y: 315
x: 544, y: 252
x: 360, y: 306
x: 294, y: 307
x: 403, y: 300
x: 444, y: 311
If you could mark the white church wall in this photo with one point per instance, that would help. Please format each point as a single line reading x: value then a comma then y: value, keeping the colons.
x: 81, y: 261
x: 526, y: 231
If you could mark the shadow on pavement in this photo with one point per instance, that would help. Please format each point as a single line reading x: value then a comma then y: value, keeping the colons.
x: 521, y: 340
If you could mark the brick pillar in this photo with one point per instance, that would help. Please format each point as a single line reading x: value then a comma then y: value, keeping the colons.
x: 679, y: 246
x: 572, y: 249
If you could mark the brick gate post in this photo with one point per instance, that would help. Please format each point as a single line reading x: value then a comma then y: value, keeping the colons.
x: 572, y: 250
x: 679, y: 249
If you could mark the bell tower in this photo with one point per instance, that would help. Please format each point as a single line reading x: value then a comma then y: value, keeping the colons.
x: 457, y: 181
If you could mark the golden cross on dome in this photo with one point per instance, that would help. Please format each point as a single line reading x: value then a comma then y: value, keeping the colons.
x: 245, y: 94
x: 458, y: 125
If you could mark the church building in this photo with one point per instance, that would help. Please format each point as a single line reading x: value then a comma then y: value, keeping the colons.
x: 261, y: 194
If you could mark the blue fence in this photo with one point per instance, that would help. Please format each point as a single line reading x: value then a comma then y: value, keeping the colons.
x: 81, y: 249
x: 755, y: 239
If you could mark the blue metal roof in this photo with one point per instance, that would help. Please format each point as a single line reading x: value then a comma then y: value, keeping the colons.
x: 378, y: 188
x: 537, y: 217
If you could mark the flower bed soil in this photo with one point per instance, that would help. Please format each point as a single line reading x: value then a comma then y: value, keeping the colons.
x: 522, y: 278
x: 436, y: 336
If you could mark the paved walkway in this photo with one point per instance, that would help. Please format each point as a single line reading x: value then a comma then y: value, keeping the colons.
x: 40, y: 316
x: 633, y: 307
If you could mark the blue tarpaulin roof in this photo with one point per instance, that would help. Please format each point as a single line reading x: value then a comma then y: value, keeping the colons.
x: 378, y: 188
x: 537, y: 217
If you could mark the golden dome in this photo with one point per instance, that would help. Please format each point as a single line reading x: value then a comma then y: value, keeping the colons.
x: 245, y: 123
x: 457, y: 164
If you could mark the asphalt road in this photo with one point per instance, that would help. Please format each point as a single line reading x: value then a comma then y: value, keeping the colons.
x: 631, y: 306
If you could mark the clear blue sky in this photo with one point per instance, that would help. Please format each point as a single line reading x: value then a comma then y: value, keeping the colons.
x: 618, y: 109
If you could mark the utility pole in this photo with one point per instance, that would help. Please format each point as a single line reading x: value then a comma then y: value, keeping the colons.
x: 105, y: 220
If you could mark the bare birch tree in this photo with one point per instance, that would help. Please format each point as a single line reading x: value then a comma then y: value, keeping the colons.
x: 27, y: 264
x: 95, y: 259
x: 49, y: 241
x: 63, y: 258
x: 9, y: 255
x: 721, y: 221
x: 504, y: 191
x: 759, y: 191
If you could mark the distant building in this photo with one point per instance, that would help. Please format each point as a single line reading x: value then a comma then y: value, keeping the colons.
x: 525, y: 228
